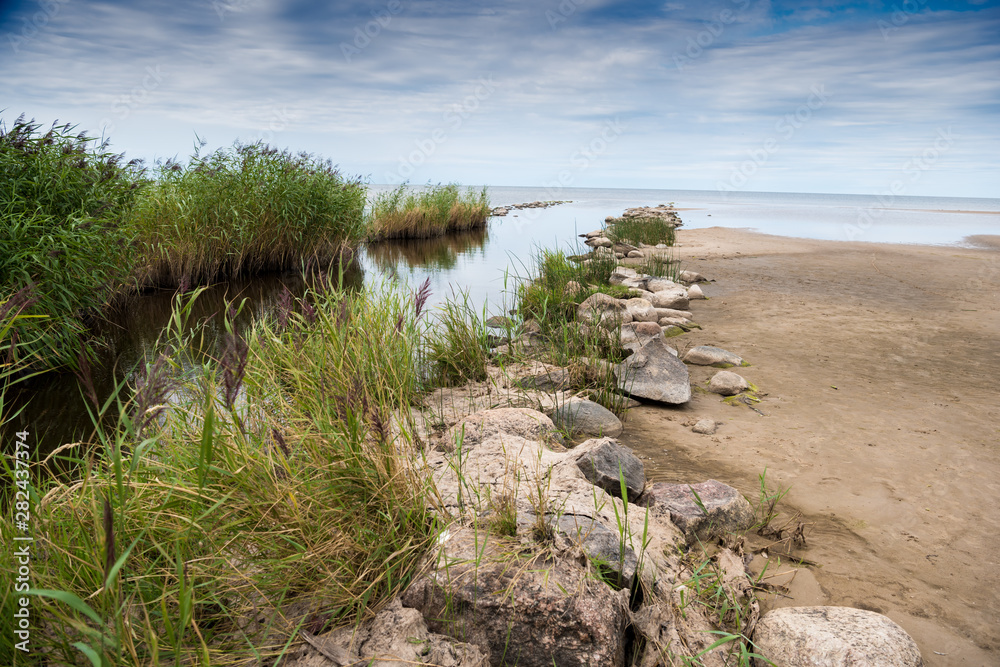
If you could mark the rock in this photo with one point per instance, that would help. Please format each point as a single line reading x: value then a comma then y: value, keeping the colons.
x: 671, y: 330
x: 694, y: 292
x: 605, y: 252
x: 619, y: 255
x: 635, y: 254
x: 641, y: 310
x: 499, y: 212
x: 531, y: 326
x: 535, y: 616
x: 675, y: 298
x: 658, y: 284
x: 654, y: 372
x: 600, y: 306
x: 600, y: 543
x: 634, y: 336
x: 833, y: 637
x: 587, y: 417
x: 672, y: 312
x: 692, y: 277
x: 521, y: 422
x: 661, y: 246
x: 599, y: 242
x: 572, y: 287
x: 555, y: 379
x: 397, y: 635
x: 726, y: 511
x: 707, y: 355
x: 596, y: 232
x: 604, y: 462
x: 499, y: 322
x: 705, y: 426
x: 727, y: 383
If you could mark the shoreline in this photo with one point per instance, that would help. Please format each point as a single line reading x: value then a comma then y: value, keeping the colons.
x: 873, y: 359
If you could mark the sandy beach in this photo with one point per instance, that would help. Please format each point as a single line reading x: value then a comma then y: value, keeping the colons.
x: 879, y: 367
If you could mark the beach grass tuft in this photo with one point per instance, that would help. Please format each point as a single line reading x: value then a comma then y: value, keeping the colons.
x: 650, y: 231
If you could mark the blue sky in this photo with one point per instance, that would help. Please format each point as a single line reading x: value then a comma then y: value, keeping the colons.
x: 731, y: 94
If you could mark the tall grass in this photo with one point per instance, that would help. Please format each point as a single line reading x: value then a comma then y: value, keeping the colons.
x: 243, y: 210
x: 252, y: 496
x: 409, y: 213
x: 62, y: 236
x: 651, y: 231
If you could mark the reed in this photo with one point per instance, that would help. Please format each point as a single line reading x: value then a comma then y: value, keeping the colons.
x: 651, y: 231
x: 273, y: 492
x: 244, y: 210
x: 62, y: 237
x: 433, y: 211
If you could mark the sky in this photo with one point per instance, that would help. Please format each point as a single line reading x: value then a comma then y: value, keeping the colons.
x: 732, y: 95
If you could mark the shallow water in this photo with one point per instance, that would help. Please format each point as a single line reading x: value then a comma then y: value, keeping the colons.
x: 484, y: 266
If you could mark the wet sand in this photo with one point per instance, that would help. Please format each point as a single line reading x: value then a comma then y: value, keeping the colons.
x: 880, y: 368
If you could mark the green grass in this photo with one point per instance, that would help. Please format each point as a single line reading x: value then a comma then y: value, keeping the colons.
x: 458, y: 345
x: 63, y: 245
x: 651, y: 231
x: 436, y: 210
x: 244, y: 210
x: 275, y: 493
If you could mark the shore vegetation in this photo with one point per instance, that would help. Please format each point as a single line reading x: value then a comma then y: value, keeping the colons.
x: 407, y: 212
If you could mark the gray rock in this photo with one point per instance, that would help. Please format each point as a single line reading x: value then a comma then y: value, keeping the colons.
x: 654, y: 372
x: 672, y: 330
x: 572, y: 287
x: 529, y: 616
x: 596, y: 232
x: 673, y: 312
x: 675, y: 298
x: 635, y: 254
x: 620, y: 274
x: 600, y: 306
x: 599, y: 242
x: 397, y: 635
x: 707, y: 355
x: 604, y: 462
x: 531, y: 326
x: 641, y: 310
x: 661, y: 284
x: 587, y: 417
x: 705, y: 426
x: 833, y: 637
x: 520, y: 422
x: 554, y: 380
x: 619, y: 255
x: 694, y: 292
x: 633, y: 336
x: 692, y: 277
x: 499, y: 322
x: 601, y: 544
x: 727, y: 383
x: 725, y: 510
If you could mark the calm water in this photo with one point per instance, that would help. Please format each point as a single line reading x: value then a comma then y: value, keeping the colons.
x: 483, y: 263
x: 510, y: 243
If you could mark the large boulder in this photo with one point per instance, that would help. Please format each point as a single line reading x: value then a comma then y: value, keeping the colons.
x: 657, y: 284
x: 692, y: 277
x: 602, y: 545
x: 527, y: 610
x: 702, y: 511
x: 708, y: 355
x: 599, y: 242
x: 727, y: 383
x: 833, y: 637
x: 521, y: 422
x: 654, y: 372
x: 605, y: 463
x: 641, y: 310
x: 676, y: 298
x: 633, y: 336
x: 587, y: 417
x: 600, y: 306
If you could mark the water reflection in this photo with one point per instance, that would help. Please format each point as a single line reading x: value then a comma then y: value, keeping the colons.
x: 52, y: 407
x: 433, y: 254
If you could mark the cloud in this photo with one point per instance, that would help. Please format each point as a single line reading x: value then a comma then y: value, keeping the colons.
x: 280, y: 71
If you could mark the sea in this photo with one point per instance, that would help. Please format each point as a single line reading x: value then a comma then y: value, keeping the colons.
x: 483, y: 266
